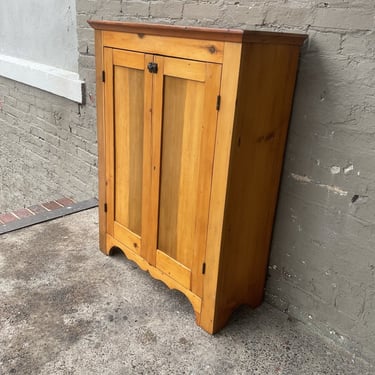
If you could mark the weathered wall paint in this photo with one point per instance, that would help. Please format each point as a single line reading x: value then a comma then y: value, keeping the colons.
x: 38, y: 45
x: 322, y: 266
x: 47, y: 150
x: 40, y: 31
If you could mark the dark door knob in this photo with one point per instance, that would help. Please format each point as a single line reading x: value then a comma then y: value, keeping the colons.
x: 152, y: 67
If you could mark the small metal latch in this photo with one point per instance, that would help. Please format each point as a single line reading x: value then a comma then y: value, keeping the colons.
x: 152, y: 67
x: 203, y: 268
x: 218, y: 102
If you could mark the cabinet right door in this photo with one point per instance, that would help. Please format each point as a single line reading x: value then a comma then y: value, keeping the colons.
x: 185, y: 104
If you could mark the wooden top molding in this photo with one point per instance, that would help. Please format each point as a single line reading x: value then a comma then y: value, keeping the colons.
x: 225, y: 35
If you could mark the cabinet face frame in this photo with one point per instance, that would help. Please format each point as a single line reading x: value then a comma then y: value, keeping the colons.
x: 219, y: 47
x: 220, y: 147
x: 204, y: 73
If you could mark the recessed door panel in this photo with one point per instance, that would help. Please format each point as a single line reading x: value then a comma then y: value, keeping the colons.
x: 179, y: 174
x: 125, y: 140
x: 128, y: 93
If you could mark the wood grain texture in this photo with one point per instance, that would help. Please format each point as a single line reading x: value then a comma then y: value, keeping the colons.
x: 194, y: 49
x: 156, y: 95
x: 124, y: 94
x: 157, y: 274
x: 265, y: 94
x: 131, y: 240
x: 170, y: 168
x: 185, y: 69
x: 225, y: 35
x: 109, y: 139
x: 150, y: 172
x: 180, y: 167
x: 128, y: 146
x: 188, y: 138
x: 176, y: 270
x: 228, y: 92
x: 266, y: 37
x: 204, y: 179
x: 168, y: 30
x: 122, y: 141
x: 101, y: 139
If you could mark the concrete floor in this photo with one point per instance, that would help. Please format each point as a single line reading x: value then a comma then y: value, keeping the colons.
x: 65, y: 308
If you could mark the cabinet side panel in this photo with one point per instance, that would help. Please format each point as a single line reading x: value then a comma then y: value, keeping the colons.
x: 101, y: 138
x: 267, y: 80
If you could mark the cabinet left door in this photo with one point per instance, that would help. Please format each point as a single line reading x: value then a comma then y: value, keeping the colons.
x: 126, y: 89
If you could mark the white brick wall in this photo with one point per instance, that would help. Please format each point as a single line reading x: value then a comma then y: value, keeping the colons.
x: 47, y: 147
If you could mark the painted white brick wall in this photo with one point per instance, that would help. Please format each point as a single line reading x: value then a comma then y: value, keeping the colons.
x: 47, y: 147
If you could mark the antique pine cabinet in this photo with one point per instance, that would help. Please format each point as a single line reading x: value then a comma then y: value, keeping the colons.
x: 192, y: 124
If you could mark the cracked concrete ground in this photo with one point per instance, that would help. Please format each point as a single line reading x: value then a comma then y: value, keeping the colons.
x: 65, y: 308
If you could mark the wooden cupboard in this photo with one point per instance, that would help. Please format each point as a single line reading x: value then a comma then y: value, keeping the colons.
x: 192, y: 124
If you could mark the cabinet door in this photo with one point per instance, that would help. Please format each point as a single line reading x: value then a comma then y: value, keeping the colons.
x: 126, y: 85
x: 184, y: 119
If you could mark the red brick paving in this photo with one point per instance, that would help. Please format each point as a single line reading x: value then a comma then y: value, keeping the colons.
x: 7, y: 218
x: 22, y: 213
x: 37, y: 209
x: 65, y: 201
x: 53, y: 205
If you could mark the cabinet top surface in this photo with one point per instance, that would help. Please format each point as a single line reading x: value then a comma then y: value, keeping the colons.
x: 227, y: 35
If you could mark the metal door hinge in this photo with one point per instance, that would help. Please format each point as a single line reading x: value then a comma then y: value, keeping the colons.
x: 105, y: 207
x: 103, y: 76
x: 203, y: 268
x: 218, y: 102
